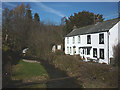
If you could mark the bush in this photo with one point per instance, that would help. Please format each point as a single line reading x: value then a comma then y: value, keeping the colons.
x: 59, y: 53
x: 116, y: 54
x: 95, y: 75
x: 64, y: 62
x: 90, y: 75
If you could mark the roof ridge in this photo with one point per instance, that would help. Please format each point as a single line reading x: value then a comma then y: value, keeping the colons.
x: 83, y: 27
x: 93, y: 28
x: 94, y: 24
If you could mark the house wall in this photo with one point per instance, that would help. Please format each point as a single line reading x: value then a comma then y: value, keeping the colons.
x: 118, y: 32
x: 59, y: 47
x: 113, y: 38
x: 94, y: 44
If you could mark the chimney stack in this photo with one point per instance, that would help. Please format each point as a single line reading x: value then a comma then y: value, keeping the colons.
x: 74, y: 27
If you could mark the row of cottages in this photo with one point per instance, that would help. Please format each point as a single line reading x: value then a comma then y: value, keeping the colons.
x: 93, y: 42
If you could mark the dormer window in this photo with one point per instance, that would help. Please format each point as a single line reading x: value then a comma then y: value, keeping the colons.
x: 78, y: 39
x: 73, y: 40
x: 88, y: 39
x: 101, y: 38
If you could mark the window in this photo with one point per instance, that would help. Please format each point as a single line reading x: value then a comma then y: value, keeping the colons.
x: 83, y: 51
x: 95, y: 52
x: 79, y: 50
x: 68, y: 50
x: 102, y: 53
x: 101, y: 38
x: 88, y: 51
x: 73, y: 40
x: 67, y: 40
x: 88, y: 39
x: 78, y: 39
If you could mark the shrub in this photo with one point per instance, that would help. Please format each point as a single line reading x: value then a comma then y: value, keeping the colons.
x: 64, y: 62
x: 90, y: 75
x: 116, y: 54
x: 97, y: 75
x: 59, y: 53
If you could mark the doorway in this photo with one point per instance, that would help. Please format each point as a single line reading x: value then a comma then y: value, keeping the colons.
x: 74, y: 50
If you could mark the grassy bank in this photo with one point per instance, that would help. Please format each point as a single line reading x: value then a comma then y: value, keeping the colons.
x: 29, y: 72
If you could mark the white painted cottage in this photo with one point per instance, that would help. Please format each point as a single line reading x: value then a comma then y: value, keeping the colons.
x: 57, y: 48
x: 94, y: 42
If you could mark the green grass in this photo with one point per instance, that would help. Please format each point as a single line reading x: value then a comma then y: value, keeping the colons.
x: 28, y: 71
x: 35, y: 86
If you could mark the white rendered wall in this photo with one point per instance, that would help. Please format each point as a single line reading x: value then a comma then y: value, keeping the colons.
x: 94, y: 44
x: 113, y: 39
x: 59, y: 47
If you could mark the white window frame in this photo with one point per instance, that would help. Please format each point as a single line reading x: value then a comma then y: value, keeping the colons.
x: 88, y: 50
x: 100, y: 51
x: 101, y: 38
x: 67, y: 40
x: 95, y: 56
x: 79, y: 50
x: 74, y: 40
x: 68, y: 50
x: 88, y: 38
x: 79, y: 39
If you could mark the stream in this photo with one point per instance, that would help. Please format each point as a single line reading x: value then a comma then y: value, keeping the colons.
x: 55, y: 73
x: 58, y: 79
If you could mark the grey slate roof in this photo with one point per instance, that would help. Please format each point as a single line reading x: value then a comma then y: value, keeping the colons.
x: 99, y: 27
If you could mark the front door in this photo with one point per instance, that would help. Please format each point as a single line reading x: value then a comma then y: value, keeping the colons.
x: 84, y: 51
x: 74, y: 50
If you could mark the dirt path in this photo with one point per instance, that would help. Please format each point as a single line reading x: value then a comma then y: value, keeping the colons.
x: 30, y: 61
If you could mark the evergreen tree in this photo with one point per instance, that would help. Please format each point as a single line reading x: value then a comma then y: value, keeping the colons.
x: 63, y: 21
x: 28, y: 12
x: 82, y: 19
x: 36, y: 17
